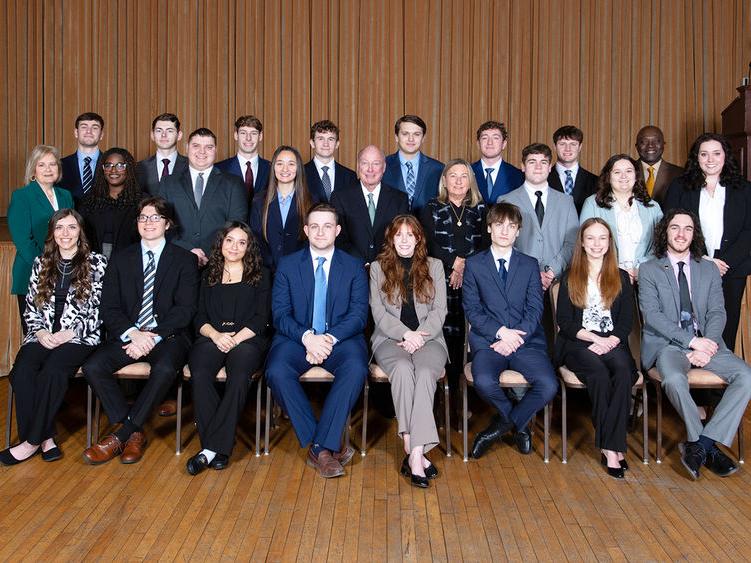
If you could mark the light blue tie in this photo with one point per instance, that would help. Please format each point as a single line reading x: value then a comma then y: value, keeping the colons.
x: 489, y: 182
x: 319, y: 299
x: 410, y: 185
x: 569, y: 186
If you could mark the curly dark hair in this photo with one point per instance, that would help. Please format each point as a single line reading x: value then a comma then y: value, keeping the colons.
x: 99, y: 196
x: 697, y: 248
x: 251, y: 260
x: 48, y: 273
x: 693, y: 176
x: 604, y: 195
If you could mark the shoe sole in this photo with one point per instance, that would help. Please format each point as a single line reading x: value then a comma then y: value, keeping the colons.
x: 312, y: 464
x: 88, y: 461
x: 694, y: 475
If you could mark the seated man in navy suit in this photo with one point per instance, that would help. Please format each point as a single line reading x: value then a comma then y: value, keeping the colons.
x: 79, y: 168
x: 495, y: 177
x: 165, y: 132
x: 408, y: 169
x: 502, y: 297
x: 247, y: 164
x: 323, y: 174
x: 320, y: 306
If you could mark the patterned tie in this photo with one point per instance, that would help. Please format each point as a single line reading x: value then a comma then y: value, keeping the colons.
x: 539, y: 208
x: 502, y: 271
x: 371, y: 208
x: 326, y: 181
x: 249, y: 178
x: 687, y: 314
x: 568, y: 187
x: 165, y: 170
x: 319, y: 298
x: 198, y: 189
x: 410, y: 185
x: 88, y: 177
x: 650, y: 180
x: 489, y: 183
x: 146, y: 316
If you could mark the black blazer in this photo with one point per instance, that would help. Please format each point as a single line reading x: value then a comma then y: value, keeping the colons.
x: 344, y: 178
x: 121, y: 219
x: 148, y: 172
x: 280, y: 239
x: 175, y: 291
x: 569, y: 317
x: 71, y: 179
x: 585, y: 185
x: 736, y: 234
x: 358, y: 237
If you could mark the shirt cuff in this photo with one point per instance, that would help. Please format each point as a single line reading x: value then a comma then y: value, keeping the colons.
x: 124, y: 336
x: 304, y: 334
x: 498, y: 334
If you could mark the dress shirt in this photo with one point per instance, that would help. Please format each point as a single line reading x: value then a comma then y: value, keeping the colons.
x: 686, y: 270
x: 561, y: 170
x: 157, y: 250
x: 285, y: 202
x: 415, y: 166
x: 533, y: 198
x: 244, y: 166
x: 376, y: 192
x: 331, y: 171
x: 160, y: 165
x: 494, y: 172
x: 628, y: 234
x: 94, y: 158
x: 645, y: 168
x: 711, y: 217
x: 314, y: 255
x: 194, y: 176
x: 497, y: 255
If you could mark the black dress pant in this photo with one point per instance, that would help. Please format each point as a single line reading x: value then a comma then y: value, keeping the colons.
x: 217, y: 416
x: 40, y: 378
x: 166, y: 358
x: 732, y: 289
x: 609, y: 379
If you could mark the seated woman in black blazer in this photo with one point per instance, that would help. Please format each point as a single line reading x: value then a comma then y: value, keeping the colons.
x: 62, y: 315
x: 111, y: 206
x: 595, y: 313
x: 233, y: 310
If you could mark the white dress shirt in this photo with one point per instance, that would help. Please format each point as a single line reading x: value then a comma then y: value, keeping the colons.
x: 711, y: 217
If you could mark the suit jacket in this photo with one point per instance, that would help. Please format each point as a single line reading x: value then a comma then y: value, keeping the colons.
x: 387, y: 316
x: 223, y: 200
x: 665, y: 176
x: 260, y: 181
x: 346, y: 298
x: 553, y: 243
x: 585, y: 185
x: 344, y: 178
x: 488, y: 305
x: 148, y: 172
x: 659, y: 302
x: 280, y: 239
x: 71, y: 179
x: 29, y: 215
x: 426, y: 183
x: 358, y: 236
x: 509, y: 178
x: 736, y: 220
x: 649, y: 217
x: 175, y: 291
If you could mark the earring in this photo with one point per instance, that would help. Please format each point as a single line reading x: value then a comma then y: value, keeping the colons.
x: 33, y: 177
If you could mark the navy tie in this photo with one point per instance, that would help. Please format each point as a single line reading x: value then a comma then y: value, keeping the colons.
x: 88, y: 177
x: 319, y: 298
x: 502, y: 271
x: 489, y: 183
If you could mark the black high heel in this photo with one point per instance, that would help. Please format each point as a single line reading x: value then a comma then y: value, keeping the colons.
x: 415, y: 480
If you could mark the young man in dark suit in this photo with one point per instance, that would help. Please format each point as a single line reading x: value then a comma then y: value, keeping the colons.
x: 323, y: 174
x: 165, y: 132
x: 247, y: 163
x: 658, y: 173
x: 567, y: 175
x: 495, y: 177
x: 148, y: 301
x: 79, y: 168
x: 321, y: 323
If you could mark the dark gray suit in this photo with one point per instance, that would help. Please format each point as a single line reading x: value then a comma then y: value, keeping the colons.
x: 148, y: 172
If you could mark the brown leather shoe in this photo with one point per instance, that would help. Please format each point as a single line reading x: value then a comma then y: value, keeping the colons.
x: 168, y: 408
x: 133, y: 451
x: 327, y: 466
x: 106, y: 449
x: 344, y: 456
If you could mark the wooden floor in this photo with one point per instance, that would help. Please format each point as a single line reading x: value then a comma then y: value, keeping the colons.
x: 505, y: 506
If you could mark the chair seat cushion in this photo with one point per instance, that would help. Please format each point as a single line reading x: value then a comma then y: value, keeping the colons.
x: 570, y: 380
x: 317, y: 375
x: 221, y: 376
x: 137, y: 370
x: 507, y: 378
x: 377, y: 374
x: 696, y: 378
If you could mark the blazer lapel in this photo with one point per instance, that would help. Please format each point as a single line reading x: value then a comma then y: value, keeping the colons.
x: 41, y: 198
x: 165, y: 265
x: 526, y: 203
x: 670, y: 275
x: 307, y: 283
x: 494, y: 273
x: 336, y: 265
x: 363, y: 208
x: 697, y: 287
x: 187, y: 185
x: 512, y: 269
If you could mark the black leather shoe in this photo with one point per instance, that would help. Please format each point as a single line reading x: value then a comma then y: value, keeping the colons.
x: 492, y: 433
x: 415, y: 480
x: 720, y: 464
x: 604, y: 462
x: 523, y: 439
x: 616, y: 472
x: 219, y: 462
x: 196, y: 464
x: 693, y: 457
x: 53, y: 454
x: 6, y: 458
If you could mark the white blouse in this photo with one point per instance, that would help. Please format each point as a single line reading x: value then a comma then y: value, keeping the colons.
x: 595, y: 317
x: 628, y: 232
x: 711, y: 217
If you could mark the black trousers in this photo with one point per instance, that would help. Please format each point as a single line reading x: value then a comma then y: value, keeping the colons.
x: 40, y: 378
x: 217, y: 416
x: 732, y: 289
x: 165, y: 359
x: 609, y: 379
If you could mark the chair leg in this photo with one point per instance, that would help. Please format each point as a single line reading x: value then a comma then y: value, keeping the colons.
x: 546, y: 424
x: 259, y: 386
x: 464, y: 417
x: 268, y: 420
x: 9, y: 417
x: 89, y: 400
x: 446, y: 405
x: 365, y: 405
x: 179, y: 422
x: 97, y: 406
x: 645, y: 424
x: 740, y: 443
x: 564, y: 424
x: 658, y: 394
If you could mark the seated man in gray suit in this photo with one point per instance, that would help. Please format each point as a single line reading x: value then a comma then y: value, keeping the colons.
x: 165, y: 132
x: 680, y: 295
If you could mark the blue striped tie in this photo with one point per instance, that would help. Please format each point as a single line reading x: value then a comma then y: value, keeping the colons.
x: 410, y: 184
x: 569, y: 186
x: 146, y: 316
x: 88, y: 177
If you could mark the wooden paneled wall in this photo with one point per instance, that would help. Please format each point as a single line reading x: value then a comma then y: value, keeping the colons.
x: 609, y: 66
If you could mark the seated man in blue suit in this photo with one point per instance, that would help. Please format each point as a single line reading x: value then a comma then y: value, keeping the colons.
x: 323, y: 173
x: 79, y: 167
x: 247, y: 164
x: 319, y: 322
x: 502, y: 297
x: 408, y: 169
x: 495, y: 177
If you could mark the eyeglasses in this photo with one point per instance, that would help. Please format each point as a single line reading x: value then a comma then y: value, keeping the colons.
x: 149, y: 218
x: 115, y: 165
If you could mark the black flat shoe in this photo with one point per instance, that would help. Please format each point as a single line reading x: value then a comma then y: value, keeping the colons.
x: 53, y: 454
x: 431, y: 471
x: 415, y: 480
x: 6, y: 458
x: 616, y: 472
x: 196, y: 464
x: 604, y: 462
x: 219, y: 462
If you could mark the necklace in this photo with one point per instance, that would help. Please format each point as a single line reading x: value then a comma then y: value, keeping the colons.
x: 460, y: 216
x: 65, y: 267
x: 229, y: 274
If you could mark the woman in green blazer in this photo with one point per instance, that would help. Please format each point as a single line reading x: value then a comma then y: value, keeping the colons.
x: 29, y: 213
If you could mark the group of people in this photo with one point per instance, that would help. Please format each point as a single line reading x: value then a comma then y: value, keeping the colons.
x: 177, y: 260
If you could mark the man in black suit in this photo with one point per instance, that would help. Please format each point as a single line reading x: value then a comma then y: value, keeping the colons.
x: 79, y: 167
x: 367, y: 209
x: 165, y: 132
x: 323, y: 174
x: 658, y: 173
x: 203, y: 197
x: 247, y: 164
x: 568, y: 176
x: 148, y: 301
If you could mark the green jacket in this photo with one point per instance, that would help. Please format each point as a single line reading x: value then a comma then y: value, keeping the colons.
x: 28, y: 216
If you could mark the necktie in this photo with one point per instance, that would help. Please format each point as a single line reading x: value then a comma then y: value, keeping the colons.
x: 198, y: 189
x: 650, y: 180
x: 687, y: 315
x: 502, y: 271
x: 146, y: 315
x: 319, y: 299
x: 568, y: 187
x: 88, y: 177
x: 326, y: 181
x: 539, y: 208
x: 371, y: 208
x: 489, y: 183
x: 410, y: 185
x: 165, y: 169
x: 248, y: 178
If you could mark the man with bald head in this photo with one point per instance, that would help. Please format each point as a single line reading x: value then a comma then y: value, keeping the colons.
x: 658, y: 173
x: 366, y: 210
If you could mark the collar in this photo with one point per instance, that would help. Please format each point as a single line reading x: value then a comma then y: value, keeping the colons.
x: 415, y: 160
x: 495, y: 166
x: 562, y: 169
